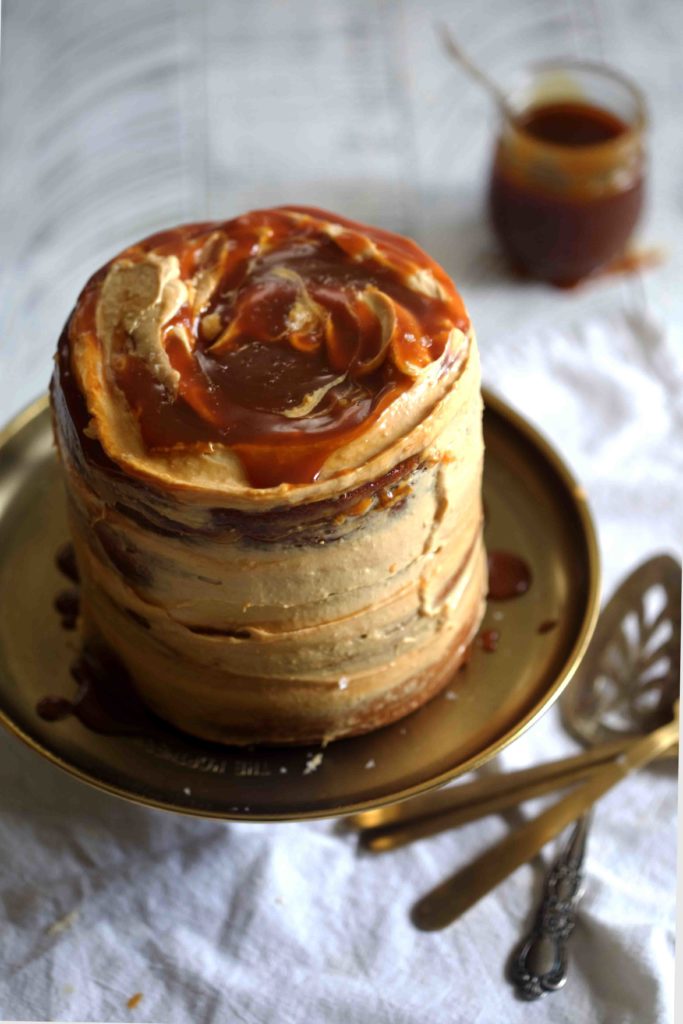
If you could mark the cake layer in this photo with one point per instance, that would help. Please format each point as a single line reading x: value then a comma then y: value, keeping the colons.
x: 351, y: 691
x: 298, y: 609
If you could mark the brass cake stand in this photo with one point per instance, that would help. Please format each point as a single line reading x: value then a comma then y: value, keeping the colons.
x: 534, y: 509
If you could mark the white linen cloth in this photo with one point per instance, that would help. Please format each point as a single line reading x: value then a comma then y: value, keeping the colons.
x: 215, y: 922
x: 117, y: 119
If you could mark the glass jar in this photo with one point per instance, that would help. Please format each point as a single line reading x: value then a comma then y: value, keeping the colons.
x: 567, y: 179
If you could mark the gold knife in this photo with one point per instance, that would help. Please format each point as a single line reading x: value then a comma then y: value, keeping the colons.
x: 386, y: 828
x: 466, y: 887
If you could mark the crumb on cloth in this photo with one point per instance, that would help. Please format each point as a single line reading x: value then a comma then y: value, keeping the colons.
x: 62, y: 923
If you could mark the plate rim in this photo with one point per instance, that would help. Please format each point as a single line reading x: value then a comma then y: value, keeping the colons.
x: 540, y: 443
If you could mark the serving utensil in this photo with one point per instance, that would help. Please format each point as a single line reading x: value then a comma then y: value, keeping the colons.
x: 387, y: 828
x: 540, y: 964
x: 448, y: 901
x: 628, y: 680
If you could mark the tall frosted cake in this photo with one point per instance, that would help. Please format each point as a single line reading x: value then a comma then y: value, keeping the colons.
x: 270, y: 432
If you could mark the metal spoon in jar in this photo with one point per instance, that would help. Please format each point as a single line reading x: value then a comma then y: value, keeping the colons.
x: 456, y: 52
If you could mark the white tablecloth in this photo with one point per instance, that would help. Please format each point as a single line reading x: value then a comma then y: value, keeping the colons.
x: 102, y: 902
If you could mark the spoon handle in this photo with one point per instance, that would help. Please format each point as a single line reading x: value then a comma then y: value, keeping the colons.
x: 383, y: 838
x: 387, y: 828
x: 518, y: 785
x: 458, y: 54
x: 540, y: 966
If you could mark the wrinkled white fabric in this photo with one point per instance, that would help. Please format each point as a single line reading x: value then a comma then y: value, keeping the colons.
x: 217, y: 922
x: 117, y: 119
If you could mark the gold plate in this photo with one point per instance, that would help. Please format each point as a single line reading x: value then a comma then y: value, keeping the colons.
x: 534, y: 509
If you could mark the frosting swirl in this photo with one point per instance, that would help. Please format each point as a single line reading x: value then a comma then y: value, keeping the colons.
x: 281, y: 335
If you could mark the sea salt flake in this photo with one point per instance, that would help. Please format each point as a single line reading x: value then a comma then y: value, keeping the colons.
x: 313, y: 762
x: 62, y: 923
x: 370, y: 763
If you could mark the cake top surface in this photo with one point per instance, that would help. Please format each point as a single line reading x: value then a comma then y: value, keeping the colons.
x: 280, y: 337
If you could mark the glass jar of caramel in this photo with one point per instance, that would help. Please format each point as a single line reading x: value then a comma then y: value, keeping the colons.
x: 567, y: 179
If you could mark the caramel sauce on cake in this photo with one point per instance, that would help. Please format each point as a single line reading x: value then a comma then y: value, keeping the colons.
x: 281, y: 334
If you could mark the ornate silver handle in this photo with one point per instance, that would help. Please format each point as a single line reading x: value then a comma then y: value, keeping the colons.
x: 540, y: 966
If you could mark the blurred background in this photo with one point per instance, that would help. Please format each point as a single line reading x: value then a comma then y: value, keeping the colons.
x: 120, y: 118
